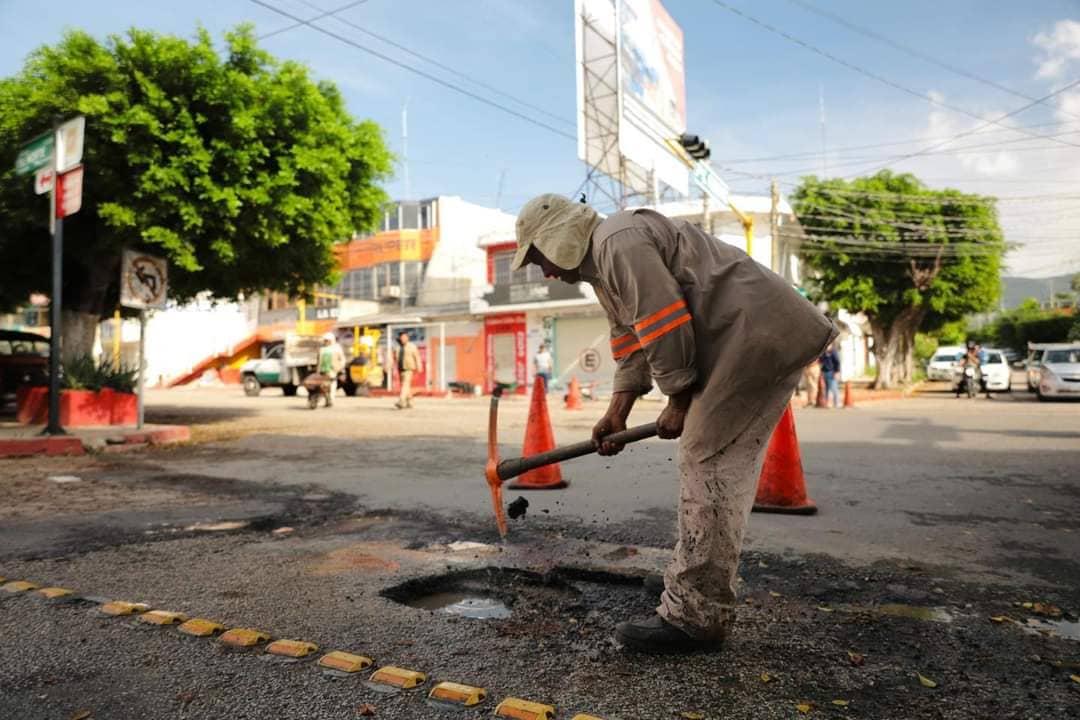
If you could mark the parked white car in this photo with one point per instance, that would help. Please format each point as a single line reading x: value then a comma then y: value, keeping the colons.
x: 997, y: 375
x: 943, y: 362
x: 1059, y: 371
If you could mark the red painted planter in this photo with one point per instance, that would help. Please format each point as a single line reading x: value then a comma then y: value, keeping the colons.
x: 77, y: 407
x: 125, y: 409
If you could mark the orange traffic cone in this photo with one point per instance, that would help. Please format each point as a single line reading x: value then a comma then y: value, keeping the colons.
x: 822, y: 392
x: 848, y: 400
x: 538, y: 439
x: 573, y: 396
x: 781, y: 487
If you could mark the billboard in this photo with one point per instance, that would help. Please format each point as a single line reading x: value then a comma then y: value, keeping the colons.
x: 627, y: 108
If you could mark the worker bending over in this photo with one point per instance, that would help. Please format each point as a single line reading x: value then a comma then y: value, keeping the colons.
x: 726, y: 340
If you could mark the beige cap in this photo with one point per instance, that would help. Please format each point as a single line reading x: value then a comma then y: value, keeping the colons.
x: 557, y: 227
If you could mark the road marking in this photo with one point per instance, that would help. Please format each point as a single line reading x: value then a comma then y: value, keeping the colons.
x: 52, y: 593
x: 458, y: 694
x: 398, y: 677
x: 389, y: 677
x: 198, y: 627
x: 292, y: 648
x: 244, y: 637
x: 119, y: 607
x: 163, y: 617
x: 345, y: 662
x: 18, y: 586
x: 524, y: 710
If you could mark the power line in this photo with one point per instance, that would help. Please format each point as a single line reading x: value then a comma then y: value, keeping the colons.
x: 326, y: 13
x: 996, y: 121
x: 849, y: 162
x: 444, y: 67
x: 874, y: 76
x: 417, y: 71
x: 874, y: 146
x: 911, y: 51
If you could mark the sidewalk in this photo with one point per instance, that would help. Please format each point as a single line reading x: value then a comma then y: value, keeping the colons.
x: 18, y: 440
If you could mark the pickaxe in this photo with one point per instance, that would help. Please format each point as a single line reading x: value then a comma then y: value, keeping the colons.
x: 498, y: 471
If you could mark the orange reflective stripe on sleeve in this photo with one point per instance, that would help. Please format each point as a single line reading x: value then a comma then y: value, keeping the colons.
x: 662, y: 322
x: 675, y: 307
x: 665, y: 329
x: 626, y: 350
x: 624, y: 345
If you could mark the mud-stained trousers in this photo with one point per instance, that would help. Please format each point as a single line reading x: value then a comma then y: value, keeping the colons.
x: 715, y: 498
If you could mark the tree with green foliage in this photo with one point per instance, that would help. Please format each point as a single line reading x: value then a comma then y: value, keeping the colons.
x: 238, y: 168
x: 908, y: 257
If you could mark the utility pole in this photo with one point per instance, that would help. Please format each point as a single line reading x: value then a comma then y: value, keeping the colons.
x: 706, y: 223
x: 778, y: 264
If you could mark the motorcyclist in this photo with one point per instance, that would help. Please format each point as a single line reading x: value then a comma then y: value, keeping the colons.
x: 970, y: 359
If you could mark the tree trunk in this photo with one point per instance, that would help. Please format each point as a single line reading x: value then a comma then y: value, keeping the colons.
x: 79, y: 333
x: 894, y: 346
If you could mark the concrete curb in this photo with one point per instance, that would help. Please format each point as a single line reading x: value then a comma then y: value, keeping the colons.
x: 50, y: 446
x: 76, y: 445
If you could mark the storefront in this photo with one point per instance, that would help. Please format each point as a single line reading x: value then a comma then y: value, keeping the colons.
x: 506, y: 352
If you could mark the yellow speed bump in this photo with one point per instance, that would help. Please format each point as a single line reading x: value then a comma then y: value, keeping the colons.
x: 18, y: 586
x: 345, y: 662
x: 458, y: 694
x: 398, y: 677
x: 524, y: 710
x: 198, y: 627
x: 118, y: 607
x: 244, y: 637
x: 53, y: 593
x: 163, y: 617
x: 291, y: 648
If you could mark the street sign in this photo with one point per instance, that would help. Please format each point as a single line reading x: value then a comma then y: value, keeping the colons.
x: 43, y: 180
x: 144, y: 281
x: 709, y: 182
x: 589, y: 360
x: 35, y: 154
x: 69, y: 193
x: 69, y: 143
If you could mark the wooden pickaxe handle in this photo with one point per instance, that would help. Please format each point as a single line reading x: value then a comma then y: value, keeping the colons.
x: 512, y: 467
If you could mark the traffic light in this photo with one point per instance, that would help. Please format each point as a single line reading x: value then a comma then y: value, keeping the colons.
x: 695, y: 147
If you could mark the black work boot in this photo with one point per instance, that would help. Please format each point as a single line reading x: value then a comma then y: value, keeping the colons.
x: 657, y: 636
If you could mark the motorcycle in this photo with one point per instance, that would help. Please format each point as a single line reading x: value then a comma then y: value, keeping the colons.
x: 967, y: 381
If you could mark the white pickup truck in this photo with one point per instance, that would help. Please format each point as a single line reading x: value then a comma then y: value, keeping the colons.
x: 283, y: 365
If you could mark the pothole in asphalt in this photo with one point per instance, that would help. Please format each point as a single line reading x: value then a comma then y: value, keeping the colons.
x: 485, y: 594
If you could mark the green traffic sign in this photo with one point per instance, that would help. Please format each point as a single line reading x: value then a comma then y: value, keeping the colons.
x: 35, y: 154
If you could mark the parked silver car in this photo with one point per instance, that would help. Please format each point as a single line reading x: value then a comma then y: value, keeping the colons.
x: 1059, y: 371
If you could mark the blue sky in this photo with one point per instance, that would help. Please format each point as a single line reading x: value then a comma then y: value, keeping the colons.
x: 753, y: 93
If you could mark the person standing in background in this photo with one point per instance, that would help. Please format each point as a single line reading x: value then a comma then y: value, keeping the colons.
x: 830, y: 368
x: 812, y: 377
x: 408, y: 362
x: 543, y: 364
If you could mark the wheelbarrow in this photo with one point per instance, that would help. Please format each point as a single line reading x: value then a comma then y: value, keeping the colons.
x: 317, y: 386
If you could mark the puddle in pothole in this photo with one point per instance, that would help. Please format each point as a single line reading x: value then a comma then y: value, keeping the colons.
x: 462, y: 604
x: 1066, y: 629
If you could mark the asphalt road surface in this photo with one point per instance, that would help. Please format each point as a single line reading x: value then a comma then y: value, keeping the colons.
x: 936, y: 515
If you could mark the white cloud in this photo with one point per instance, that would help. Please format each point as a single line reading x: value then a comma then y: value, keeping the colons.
x: 1060, y: 47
